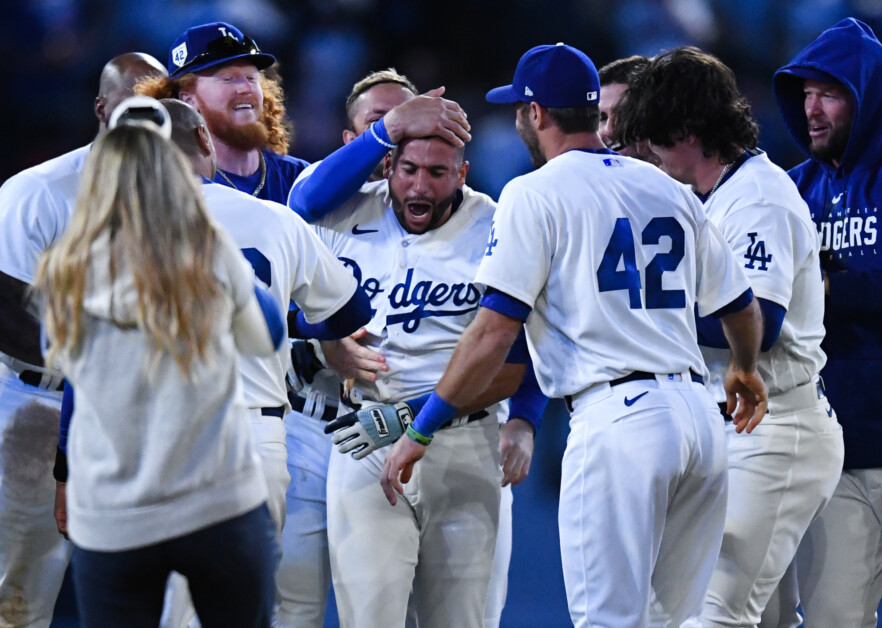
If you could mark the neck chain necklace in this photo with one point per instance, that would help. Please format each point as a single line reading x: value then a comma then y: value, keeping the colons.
x: 719, y: 180
x: 262, y: 176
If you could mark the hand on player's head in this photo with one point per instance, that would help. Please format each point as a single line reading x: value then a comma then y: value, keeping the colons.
x: 429, y: 115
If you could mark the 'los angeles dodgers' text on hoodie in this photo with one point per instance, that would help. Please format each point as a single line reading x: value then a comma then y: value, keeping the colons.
x: 845, y: 203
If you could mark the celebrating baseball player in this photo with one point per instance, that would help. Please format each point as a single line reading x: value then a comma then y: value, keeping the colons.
x: 35, y: 206
x: 370, y: 100
x: 829, y: 96
x: 603, y: 257
x: 304, y: 576
x: 614, y: 78
x: 782, y: 475
x: 432, y: 230
x: 220, y: 71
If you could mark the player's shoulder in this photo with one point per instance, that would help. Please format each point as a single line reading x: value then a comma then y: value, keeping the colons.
x: 477, y: 203
x: 759, y: 182
x: 221, y: 198
x: 370, y: 203
x: 64, y: 167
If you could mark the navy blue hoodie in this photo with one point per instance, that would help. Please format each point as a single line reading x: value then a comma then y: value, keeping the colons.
x: 844, y: 203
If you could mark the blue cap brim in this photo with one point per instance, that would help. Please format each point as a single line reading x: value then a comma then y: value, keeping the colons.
x: 261, y: 60
x: 504, y: 95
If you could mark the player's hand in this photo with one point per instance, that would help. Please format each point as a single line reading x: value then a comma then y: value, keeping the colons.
x: 428, y: 115
x: 305, y: 364
x: 370, y: 428
x: 399, y: 466
x: 61, y: 508
x: 516, y: 450
x: 748, y: 391
x: 351, y: 360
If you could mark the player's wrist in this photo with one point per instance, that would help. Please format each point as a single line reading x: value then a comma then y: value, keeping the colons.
x: 381, y: 135
x: 434, y: 414
x: 418, y: 437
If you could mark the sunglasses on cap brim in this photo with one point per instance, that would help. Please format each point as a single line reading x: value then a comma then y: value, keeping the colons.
x: 221, y: 49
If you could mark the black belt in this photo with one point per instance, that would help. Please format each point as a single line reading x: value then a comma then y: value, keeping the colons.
x: 278, y: 412
x: 298, y: 403
x: 726, y: 416
x: 636, y: 376
x: 465, y: 420
x: 34, y: 378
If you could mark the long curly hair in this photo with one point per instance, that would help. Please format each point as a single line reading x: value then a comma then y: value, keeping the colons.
x: 138, y: 192
x: 280, y: 130
x: 683, y: 92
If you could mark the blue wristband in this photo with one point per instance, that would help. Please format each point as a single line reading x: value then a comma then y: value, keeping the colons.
x: 528, y: 402
x: 434, y: 414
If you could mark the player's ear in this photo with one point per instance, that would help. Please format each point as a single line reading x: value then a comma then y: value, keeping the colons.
x: 187, y: 97
x: 463, y: 171
x: 101, y: 110
x: 203, y: 140
x: 387, y: 165
x: 537, y: 116
x: 348, y: 136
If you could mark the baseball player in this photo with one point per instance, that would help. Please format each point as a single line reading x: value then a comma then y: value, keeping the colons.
x: 305, y: 545
x: 829, y: 97
x: 782, y: 475
x: 613, y: 87
x: 434, y: 233
x: 35, y: 206
x: 603, y: 257
x: 220, y: 71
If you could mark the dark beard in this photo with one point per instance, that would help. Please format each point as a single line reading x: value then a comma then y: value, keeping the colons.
x: 244, y: 137
x: 438, y: 209
x: 531, y: 141
x: 834, y: 148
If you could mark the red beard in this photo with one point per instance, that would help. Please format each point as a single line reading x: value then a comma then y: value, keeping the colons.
x: 244, y: 137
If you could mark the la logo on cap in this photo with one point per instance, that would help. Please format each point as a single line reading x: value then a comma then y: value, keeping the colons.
x: 179, y: 55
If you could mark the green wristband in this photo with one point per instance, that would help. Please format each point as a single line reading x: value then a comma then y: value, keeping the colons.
x: 416, y: 436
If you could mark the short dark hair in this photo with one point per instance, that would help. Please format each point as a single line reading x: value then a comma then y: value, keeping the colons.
x: 389, y: 75
x: 575, y: 119
x: 621, y: 70
x: 688, y: 92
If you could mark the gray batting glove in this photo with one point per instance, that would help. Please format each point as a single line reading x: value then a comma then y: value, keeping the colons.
x: 370, y: 428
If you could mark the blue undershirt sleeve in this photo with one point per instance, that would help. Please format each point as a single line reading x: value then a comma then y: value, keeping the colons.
x: 528, y: 402
x: 59, y: 471
x: 273, y: 316
x: 354, y: 314
x: 502, y: 303
x: 710, y: 330
x: 339, y: 176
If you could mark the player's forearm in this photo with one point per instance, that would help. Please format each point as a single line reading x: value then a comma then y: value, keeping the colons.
x: 479, y: 358
x: 337, y: 178
x: 744, y: 331
x: 19, y: 329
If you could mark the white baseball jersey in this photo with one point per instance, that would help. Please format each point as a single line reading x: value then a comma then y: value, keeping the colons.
x: 768, y: 226
x: 35, y: 206
x: 782, y: 475
x: 294, y: 264
x: 611, y: 254
x: 420, y: 286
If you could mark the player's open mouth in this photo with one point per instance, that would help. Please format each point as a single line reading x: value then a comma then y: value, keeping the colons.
x: 419, y: 211
x: 242, y: 106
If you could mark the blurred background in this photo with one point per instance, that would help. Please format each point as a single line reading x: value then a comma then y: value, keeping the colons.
x: 54, y: 51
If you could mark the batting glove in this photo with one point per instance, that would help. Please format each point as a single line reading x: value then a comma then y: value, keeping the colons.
x: 370, y: 428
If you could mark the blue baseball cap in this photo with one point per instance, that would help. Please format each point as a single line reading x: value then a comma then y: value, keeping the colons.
x: 201, y: 47
x: 551, y: 76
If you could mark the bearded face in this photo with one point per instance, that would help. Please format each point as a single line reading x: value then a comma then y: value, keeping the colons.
x: 231, y: 101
